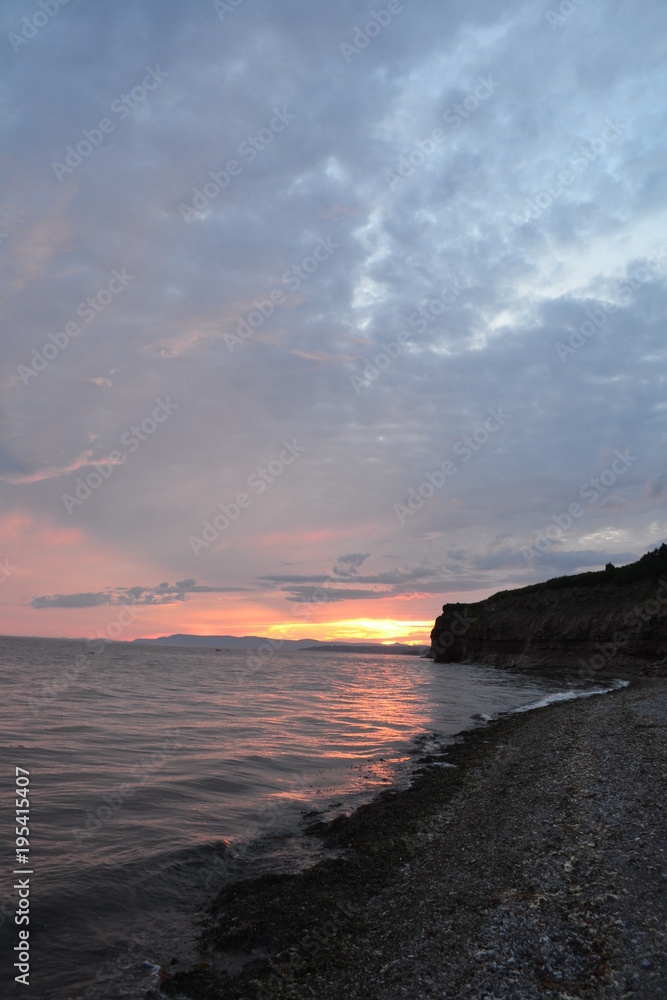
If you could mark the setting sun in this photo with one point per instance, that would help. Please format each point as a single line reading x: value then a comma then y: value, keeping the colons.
x: 383, y: 630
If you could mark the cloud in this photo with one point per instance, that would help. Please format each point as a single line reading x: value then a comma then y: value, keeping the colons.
x: 164, y: 593
x: 656, y: 486
x: 479, y: 259
x: 83, y: 461
x: 73, y: 601
x: 309, y: 595
x: 398, y: 582
x: 348, y: 565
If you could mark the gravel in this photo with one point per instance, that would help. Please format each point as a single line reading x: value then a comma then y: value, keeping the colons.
x: 546, y: 876
x: 534, y: 868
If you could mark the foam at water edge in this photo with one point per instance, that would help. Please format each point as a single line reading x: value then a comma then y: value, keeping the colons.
x: 570, y: 696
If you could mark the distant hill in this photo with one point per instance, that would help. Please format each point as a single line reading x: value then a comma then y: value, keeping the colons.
x: 255, y: 641
x: 226, y: 641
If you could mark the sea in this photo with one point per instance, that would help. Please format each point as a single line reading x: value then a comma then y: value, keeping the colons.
x: 156, y: 774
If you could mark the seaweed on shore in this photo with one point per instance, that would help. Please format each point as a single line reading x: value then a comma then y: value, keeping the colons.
x: 272, y: 931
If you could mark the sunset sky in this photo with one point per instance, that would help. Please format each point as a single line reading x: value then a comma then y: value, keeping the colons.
x: 316, y: 316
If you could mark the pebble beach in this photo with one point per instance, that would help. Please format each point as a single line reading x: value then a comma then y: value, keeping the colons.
x: 526, y: 861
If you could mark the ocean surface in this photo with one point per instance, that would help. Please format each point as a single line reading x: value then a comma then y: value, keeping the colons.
x: 158, y: 773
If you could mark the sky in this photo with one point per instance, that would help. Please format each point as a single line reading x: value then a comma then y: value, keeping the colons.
x: 316, y: 316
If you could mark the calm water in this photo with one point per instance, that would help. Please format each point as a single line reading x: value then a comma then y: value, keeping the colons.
x: 158, y: 773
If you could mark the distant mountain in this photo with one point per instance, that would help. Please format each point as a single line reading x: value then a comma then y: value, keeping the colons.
x: 227, y: 641
x: 254, y: 641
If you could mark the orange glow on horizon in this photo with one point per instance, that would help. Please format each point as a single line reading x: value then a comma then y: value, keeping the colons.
x: 33, y: 554
x: 382, y: 630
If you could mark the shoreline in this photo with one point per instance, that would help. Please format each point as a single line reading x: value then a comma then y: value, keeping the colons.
x: 516, y: 869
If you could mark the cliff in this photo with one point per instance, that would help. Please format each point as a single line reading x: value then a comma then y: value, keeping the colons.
x: 612, y: 621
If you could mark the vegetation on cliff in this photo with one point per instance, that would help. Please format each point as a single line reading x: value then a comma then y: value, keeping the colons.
x: 651, y: 566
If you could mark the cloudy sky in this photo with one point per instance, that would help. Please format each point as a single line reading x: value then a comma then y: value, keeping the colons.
x: 317, y: 315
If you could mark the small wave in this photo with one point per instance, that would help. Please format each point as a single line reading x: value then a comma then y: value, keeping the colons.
x: 570, y: 695
x: 425, y: 743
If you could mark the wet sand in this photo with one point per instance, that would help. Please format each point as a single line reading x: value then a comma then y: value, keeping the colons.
x: 534, y: 867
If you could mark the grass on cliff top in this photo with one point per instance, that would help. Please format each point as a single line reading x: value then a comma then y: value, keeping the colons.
x: 651, y: 567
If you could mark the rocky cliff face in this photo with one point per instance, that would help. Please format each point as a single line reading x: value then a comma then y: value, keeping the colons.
x: 604, y: 628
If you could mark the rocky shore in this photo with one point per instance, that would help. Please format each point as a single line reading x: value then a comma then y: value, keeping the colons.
x: 526, y: 861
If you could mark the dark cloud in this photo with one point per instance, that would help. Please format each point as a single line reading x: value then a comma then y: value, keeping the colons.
x: 397, y: 576
x: 421, y: 580
x: 317, y: 296
x: 71, y: 601
x: 328, y: 595
x: 349, y: 565
x: 164, y: 593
